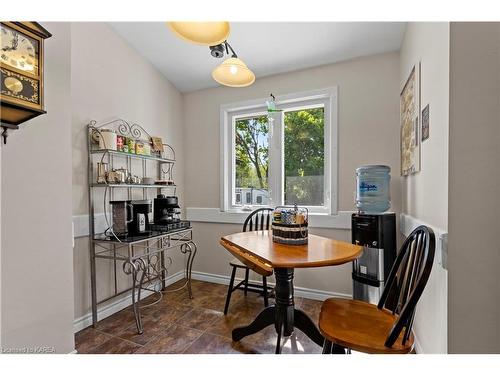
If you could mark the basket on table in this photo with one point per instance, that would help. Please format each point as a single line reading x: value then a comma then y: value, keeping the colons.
x: 289, y: 225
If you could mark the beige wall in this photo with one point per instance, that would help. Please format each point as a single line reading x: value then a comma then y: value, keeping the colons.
x: 474, y: 200
x: 429, y: 44
x: 425, y: 194
x: 111, y: 80
x: 37, y: 273
x: 368, y: 126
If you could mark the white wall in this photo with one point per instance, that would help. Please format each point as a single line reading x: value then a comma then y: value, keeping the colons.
x: 109, y: 79
x: 37, y: 272
x: 368, y: 122
x: 425, y: 194
x: 474, y: 200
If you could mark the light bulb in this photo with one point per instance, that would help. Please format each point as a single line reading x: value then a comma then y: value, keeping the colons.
x: 233, y: 69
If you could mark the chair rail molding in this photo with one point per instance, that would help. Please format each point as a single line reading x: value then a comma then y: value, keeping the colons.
x: 408, y: 223
x: 342, y: 220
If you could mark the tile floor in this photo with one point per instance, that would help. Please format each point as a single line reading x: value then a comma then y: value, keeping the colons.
x: 178, y: 324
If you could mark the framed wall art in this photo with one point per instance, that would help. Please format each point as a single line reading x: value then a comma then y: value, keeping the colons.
x: 425, y: 123
x: 409, y: 101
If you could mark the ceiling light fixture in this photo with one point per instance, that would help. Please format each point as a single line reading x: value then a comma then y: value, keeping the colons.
x: 202, y: 33
x: 233, y: 72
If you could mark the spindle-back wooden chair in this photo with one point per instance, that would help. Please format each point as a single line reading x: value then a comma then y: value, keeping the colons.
x: 386, y: 327
x: 260, y: 219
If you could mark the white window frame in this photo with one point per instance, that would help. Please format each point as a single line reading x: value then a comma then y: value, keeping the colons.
x: 326, y: 97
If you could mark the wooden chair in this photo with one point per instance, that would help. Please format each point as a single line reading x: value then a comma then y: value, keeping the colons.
x: 386, y: 327
x: 259, y: 219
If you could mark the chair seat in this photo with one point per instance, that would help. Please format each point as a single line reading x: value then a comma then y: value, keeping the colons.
x: 360, y: 326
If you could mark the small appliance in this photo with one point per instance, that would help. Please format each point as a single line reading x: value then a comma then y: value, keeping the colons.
x: 377, y: 234
x: 122, y: 216
x: 166, y: 209
x: 140, y: 220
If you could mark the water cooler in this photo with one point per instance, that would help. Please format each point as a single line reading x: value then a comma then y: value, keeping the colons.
x: 377, y: 233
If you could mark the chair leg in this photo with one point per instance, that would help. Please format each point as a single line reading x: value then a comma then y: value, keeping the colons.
x: 247, y: 272
x: 327, y: 347
x: 264, y: 286
x: 337, y: 349
x: 230, y: 290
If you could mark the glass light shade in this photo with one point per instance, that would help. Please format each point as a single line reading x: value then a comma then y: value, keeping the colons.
x: 234, y: 73
x: 203, y: 33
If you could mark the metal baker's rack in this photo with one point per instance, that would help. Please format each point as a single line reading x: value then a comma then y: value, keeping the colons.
x: 145, y: 258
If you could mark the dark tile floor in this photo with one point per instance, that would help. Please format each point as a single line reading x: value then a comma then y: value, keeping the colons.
x: 178, y: 324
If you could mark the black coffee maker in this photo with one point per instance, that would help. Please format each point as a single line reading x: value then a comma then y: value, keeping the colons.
x: 140, y: 217
x: 166, y: 210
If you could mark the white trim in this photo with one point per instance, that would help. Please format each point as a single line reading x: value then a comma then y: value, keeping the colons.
x: 408, y: 223
x: 81, y: 224
x: 118, y: 304
x: 214, y: 215
x: 327, y: 97
x: 316, y: 294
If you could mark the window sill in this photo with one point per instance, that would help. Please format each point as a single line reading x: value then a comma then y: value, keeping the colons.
x: 214, y: 215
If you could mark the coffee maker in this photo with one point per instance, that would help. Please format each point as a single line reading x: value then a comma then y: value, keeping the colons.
x: 140, y: 217
x: 166, y: 210
x: 122, y: 216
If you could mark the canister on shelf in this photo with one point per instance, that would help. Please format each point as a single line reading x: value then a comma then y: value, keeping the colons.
x: 120, y: 141
x: 139, y: 148
x: 107, y: 139
x: 147, y: 149
x: 131, y: 145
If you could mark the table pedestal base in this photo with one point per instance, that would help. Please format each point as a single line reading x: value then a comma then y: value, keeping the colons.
x: 283, y: 315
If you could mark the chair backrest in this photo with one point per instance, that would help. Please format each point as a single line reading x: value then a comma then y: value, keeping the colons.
x: 407, y: 281
x: 259, y: 219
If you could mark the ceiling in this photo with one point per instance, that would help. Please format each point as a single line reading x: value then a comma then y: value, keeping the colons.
x: 266, y: 47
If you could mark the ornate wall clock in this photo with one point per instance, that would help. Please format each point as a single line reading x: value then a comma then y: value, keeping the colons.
x: 21, y: 72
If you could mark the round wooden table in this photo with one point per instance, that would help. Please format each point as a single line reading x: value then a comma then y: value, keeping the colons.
x: 258, y: 252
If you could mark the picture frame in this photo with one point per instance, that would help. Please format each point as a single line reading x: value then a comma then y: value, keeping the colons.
x: 425, y: 123
x: 409, y: 101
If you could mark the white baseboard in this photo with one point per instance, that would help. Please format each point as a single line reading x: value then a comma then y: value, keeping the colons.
x: 125, y: 301
x: 314, y: 294
x: 116, y: 305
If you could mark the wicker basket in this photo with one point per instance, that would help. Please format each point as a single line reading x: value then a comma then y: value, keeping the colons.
x: 290, y: 225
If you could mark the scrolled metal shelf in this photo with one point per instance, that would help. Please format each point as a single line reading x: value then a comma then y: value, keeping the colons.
x: 135, y: 156
x: 141, y: 186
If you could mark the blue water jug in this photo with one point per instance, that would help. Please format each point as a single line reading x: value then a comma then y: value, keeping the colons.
x: 373, y: 188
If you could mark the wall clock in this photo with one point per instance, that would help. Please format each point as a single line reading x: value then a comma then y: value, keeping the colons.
x: 21, y: 72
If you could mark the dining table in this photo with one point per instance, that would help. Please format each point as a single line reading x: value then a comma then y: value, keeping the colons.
x: 258, y: 251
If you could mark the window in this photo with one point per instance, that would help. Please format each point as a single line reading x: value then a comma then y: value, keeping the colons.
x: 304, y: 159
x: 251, y: 156
x: 286, y: 158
